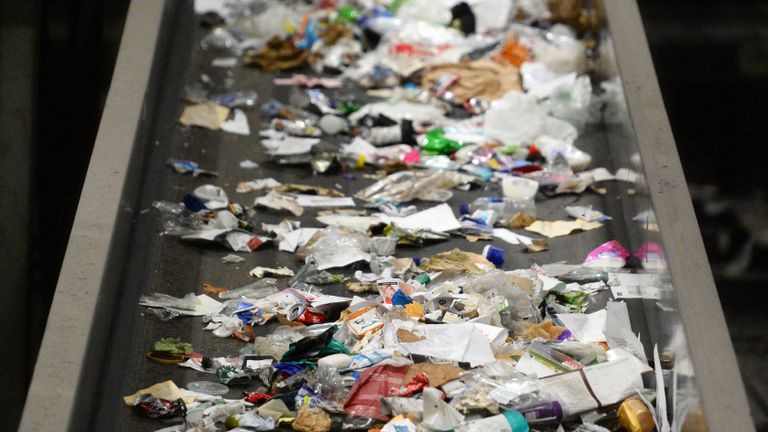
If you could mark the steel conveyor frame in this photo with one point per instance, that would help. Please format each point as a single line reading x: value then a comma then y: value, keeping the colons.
x: 70, y: 359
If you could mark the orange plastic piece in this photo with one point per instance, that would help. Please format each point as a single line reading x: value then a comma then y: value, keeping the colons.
x: 513, y: 53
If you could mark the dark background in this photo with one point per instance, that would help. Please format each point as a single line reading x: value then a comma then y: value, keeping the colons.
x: 56, y: 60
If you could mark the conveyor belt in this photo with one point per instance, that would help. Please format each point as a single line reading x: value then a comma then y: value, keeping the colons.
x: 166, y: 265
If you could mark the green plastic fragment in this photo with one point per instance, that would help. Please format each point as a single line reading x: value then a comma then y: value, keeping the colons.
x: 396, y: 5
x: 348, y: 14
x: 349, y: 107
x: 508, y: 150
x: 435, y: 142
x: 423, y: 279
x: 173, y: 346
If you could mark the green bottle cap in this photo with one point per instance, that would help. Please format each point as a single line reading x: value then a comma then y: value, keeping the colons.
x: 348, y: 14
x: 516, y: 421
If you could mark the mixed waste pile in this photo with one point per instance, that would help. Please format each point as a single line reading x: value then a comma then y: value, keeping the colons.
x: 428, y: 101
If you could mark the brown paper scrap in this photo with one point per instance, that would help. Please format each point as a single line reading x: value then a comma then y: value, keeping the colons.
x: 537, y: 245
x: 164, y: 390
x: 519, y: 221
x: 553, y: 229
x: 308, y: 189
x: 438, y: 374
x: 406, y: 336
x: 206, y: 114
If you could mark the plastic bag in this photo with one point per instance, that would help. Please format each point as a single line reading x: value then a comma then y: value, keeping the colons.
x: 238, y: 99
x: 560, y: 52
x: 394, y: 406
x: 433, y: 11
x: 571, y: 102
x: 329, y: 383
x: 272, y: 22
x: 188, y: 302
x: 253, y: 421
x: 515, y: 119
x: 405, y: 186
x: 577, y: 159
x: 509, y: 305
x: 438, y: 415
x: 338, y: 247
x: 277, y: 343
x: 498, y: 385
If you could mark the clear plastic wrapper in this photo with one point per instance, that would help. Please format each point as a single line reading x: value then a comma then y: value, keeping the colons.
x: 585, y: 275
x: 425, y: 10
x: 551, y: 148
x: 276, y: 343
x: 329, y: 383
x: 518, y: 392
x: 338, y: 247
x: 357, y: 423
x: 208, y: 387
x: 401, y: 405
x: 559, y: 51
x: 504, y: 207
x: 507, y: 304
x: 571, y: 102
x: 188, y: 302
x: 238, y: 99
x: 405, y: 186
x: 183, y: 225
x: 256, y: 290
x: 297, y: 127
x: 515, y: 119
x: 585, y: 353
x: 253, y: 422
x: 498, y: 386
x: 270, y: 22
x: 169, y: 207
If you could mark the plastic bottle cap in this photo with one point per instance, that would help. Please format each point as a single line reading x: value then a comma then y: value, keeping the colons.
x: 360, y: 163
x: 464, y: 208
x: 424, y: 279
x: 494, y: 255
x: 516, y: 421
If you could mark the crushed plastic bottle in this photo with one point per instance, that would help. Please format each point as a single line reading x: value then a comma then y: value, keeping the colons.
x: 504, y: 207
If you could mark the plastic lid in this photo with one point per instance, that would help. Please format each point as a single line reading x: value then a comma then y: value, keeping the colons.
x: 516, y: 421
x: 464, y: 208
